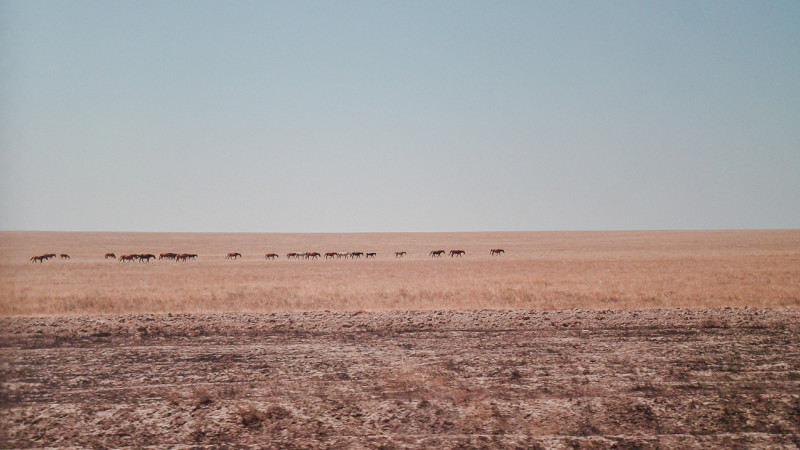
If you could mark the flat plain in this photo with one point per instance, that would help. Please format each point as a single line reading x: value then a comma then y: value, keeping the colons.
x: 576, y: 339
x: 539, y: 270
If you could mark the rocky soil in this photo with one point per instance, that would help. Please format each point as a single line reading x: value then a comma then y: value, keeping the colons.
x: 549, y: 379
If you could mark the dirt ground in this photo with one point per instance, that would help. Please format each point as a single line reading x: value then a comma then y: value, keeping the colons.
x: 670, y: 378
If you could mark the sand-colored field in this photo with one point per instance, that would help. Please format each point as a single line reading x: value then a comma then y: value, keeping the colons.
x: 540, y: 270
x: 701, y: 378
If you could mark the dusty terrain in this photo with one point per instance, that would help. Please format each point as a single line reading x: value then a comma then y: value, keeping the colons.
x: 550, y: 379
x: 540, y: 270
x: 668, y: 339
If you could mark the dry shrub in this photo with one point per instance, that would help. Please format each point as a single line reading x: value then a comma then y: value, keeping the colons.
x: 251, y: 416
x: 201, y: 396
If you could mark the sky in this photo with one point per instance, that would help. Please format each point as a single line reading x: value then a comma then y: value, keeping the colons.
x: 399, y: 116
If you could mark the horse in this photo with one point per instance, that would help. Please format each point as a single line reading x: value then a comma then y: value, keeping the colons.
x: 330, y: 255
x: 356, y: 255
x: 127, y: 258
x: 341, y: 255
x: 496, y: 251
x: 271, y: 256
x: 313, y: 255
x: 458, y: 253
x: 371, y: 255
x: 436, y: 253
x: 167, y: 256
x: 49, y: 255
x: 399, y: 254
x: 38, y: 259
x: 111, y: 255
x: 185, y: 256
x: 233, y: 255
x: 291, y: 255
x: 146, y: 257
x: 65, y: 256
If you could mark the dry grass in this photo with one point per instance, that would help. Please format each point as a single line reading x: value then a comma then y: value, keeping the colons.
x: 541, y: 270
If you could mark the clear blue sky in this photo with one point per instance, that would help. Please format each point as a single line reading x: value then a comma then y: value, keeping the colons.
x: 338, y: 116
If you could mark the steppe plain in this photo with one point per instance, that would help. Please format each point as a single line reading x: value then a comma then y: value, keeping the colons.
x: 569, y: 339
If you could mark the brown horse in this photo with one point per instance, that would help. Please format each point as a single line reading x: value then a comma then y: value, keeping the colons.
x: 313, y: 255
x: 330, y: 255
x: 436, y: 253
x: 146, y: 257
x: 65, y: 256
x: 38, y: 259
x: 496, y: 251
x: 127, y: 258
x: 111, y: 255
x: 399, y: 254
x: 458, y: 253
x: 49, y: 255
x: 233, y: 255
x: 271, y: 256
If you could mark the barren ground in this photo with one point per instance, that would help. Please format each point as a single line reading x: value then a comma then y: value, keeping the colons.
x: 648, y: 378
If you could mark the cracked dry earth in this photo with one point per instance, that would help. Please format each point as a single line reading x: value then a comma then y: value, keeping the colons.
x: 550, y: 379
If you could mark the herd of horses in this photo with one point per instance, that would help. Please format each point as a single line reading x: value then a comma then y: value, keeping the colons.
x: 44, y: 258
x: 146, y: 257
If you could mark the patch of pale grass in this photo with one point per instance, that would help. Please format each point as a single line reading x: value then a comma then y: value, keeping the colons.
x: 614, y: 270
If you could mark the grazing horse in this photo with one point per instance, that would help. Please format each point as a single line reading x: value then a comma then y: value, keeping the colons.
x: 330, y: 255
x: 436, y: 253
x: 233, y: 255
x: 313, y: 255
x: 458, y: 253
x: 127, y: 258
x: 146, y: 257
x: 111, y: 255
x: 496, y: 251
x: 167, y: 256
x: 38, y: 259
x: 399, y: 254
x: 356, y: 255
x: 271, y: 256
x: 64, y: 256
x: 371, y: 255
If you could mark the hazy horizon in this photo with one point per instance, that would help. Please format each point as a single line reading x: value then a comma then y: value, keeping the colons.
x: 355, y: 116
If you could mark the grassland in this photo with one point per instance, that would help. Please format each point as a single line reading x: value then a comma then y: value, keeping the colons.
x: 679, y: 339
x: 540, y: 271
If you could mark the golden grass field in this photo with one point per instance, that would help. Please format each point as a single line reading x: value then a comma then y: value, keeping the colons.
x: 540, y: 271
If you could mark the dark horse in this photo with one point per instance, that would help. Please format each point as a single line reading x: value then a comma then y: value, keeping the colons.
x: 271, y: 256
x: 111, y: 255
x: 147, y: 257
x: 371, y: 255
x: 65, y: 256
x: 436, y: 253
x: 496, y: 251
x: 233, y: 255
x: 399, y: 254
x: 38, y: 259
